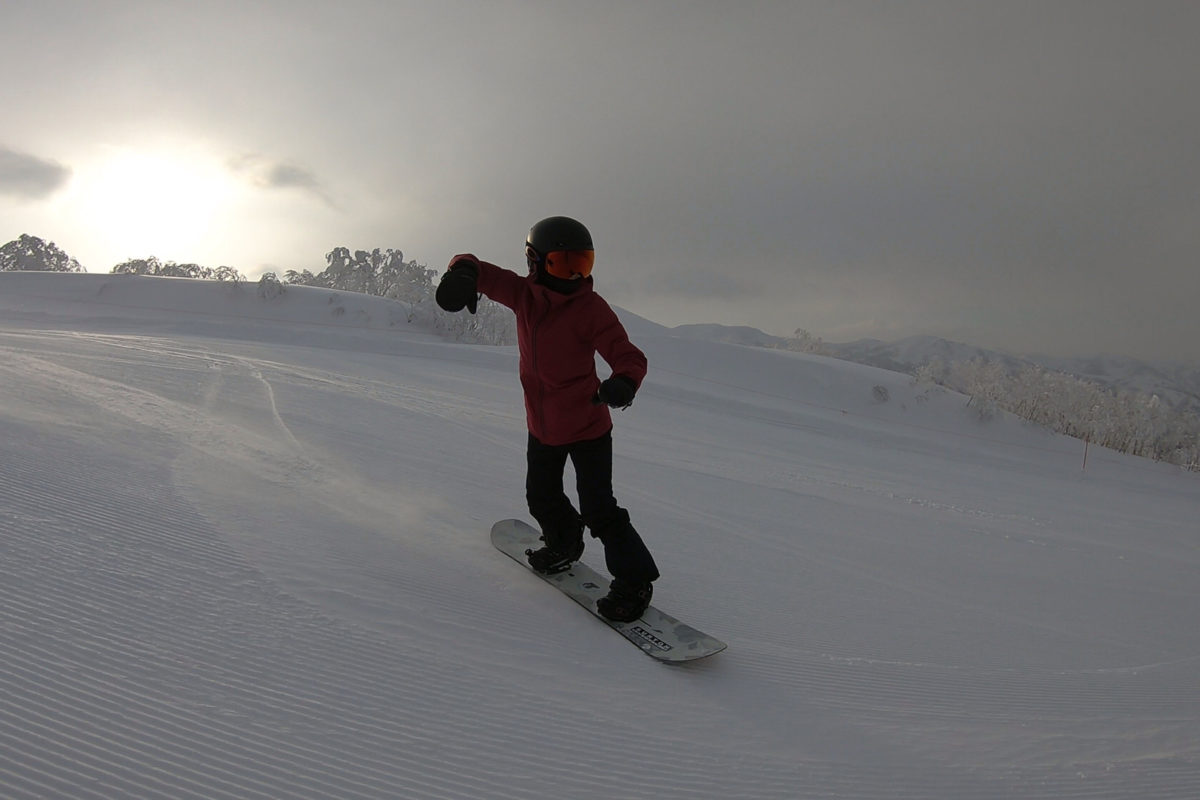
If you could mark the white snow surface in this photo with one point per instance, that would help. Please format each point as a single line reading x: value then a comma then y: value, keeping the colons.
x: 244, y: 554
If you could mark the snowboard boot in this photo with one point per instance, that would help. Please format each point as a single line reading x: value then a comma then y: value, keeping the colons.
x: 625, y: 601
x: 549, y: 560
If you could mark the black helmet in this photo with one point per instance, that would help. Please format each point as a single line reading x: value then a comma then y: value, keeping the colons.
x: 558, y: 233
x: 559, y: 247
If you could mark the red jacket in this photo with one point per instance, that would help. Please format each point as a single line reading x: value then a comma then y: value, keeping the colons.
x: 558, y: 336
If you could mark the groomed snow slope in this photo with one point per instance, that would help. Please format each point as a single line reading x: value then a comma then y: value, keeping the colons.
x: 244, y: 553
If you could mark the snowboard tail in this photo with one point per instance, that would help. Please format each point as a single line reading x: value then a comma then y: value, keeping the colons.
x: 657, y: 634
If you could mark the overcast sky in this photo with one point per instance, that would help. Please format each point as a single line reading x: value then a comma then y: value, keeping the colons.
x: 1024, y: 175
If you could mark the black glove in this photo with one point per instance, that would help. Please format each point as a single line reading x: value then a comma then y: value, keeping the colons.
x: 617, y: 391
x: 457, y: 288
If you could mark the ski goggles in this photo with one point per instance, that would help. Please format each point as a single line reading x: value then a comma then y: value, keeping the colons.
x: 565, y: 264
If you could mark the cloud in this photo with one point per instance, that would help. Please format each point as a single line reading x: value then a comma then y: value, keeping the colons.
x: 28, y: 177
x: 1021, y: 172
x: 267, y: 173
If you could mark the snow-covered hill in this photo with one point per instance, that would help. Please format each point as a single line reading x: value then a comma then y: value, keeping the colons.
x: 244, y: 553
x: 1177, y: 384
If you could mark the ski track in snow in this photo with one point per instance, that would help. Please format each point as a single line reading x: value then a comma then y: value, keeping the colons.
x: 232, y: 567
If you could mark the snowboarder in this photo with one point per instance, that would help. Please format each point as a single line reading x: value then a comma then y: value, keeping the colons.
x: 561, y: 324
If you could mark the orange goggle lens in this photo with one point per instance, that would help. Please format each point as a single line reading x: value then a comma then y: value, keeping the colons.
x: 568, y: 264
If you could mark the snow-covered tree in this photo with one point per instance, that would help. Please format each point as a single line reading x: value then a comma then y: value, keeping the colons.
x: 31, y: 253
x: 804, y: 342
x: 492, y: 324
x: 983, y: 381
x: 169, y: 269
x: 300, y: 278
x: 1129, y: 422
x: 385, y: 273
x: 269, y: 286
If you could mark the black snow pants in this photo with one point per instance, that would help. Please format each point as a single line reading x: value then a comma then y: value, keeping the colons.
x: 625, y: 553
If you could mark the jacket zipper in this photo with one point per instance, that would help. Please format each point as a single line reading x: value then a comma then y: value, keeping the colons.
x: 541, y: 386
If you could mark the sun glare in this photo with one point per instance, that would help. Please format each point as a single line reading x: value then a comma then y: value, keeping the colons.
x: 151, y: 202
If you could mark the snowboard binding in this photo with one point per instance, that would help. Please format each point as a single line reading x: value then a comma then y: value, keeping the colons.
x: 552, y: 560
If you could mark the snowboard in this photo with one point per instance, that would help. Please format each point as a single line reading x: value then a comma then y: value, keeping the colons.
x: 656, y: 634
